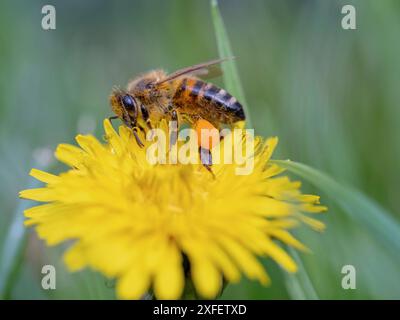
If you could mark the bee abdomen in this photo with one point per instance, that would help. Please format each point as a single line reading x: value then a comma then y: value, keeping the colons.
x: 207, y: 94
x: 223, y: 100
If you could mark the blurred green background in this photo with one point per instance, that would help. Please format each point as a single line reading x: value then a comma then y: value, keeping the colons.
x: 331, y: 95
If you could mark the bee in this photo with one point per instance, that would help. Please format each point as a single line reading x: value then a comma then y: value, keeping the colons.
x: 180, y: 96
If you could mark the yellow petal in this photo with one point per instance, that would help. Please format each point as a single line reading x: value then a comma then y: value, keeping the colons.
x: 206, y: 278
x: 270, y: 145
x: 38, y: 194
x: 134, y: 284
x: 280, y: 256
x: 309, y: 198
x: 74, y: 258
x: 315, y: 224
x: 90, y: 144
x: 222, y: 260
x: 169, y: 279
x: 245, y: 260
x: 112, y: 137
x: 44, y: 176
x: 313, y: 208
x: 69, y: 154
x: 287, y: 238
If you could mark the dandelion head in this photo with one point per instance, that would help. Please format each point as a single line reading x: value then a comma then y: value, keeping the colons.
x: 158, y: 226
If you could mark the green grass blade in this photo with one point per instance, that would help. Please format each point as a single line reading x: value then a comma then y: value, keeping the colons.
x: 13, y: 248
x: 358, y: 206
x: 12, y: 253
x: 299, y: 285
x: 229, y: 68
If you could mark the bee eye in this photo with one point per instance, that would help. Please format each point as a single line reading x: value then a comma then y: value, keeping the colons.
x: 128, y: 102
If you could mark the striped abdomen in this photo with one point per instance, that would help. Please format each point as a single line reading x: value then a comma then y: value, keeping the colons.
x: 194, y: 96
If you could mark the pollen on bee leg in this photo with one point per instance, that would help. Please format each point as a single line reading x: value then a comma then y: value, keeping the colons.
x: 207, y: 135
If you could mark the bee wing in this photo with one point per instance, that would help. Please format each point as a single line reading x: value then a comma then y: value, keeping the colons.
x: 210, y: 72
x: 208, y: 69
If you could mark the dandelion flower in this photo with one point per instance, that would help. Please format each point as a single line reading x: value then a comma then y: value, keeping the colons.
x: 156, y: 227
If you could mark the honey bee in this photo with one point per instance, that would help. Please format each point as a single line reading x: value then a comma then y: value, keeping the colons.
x: 180, y: 96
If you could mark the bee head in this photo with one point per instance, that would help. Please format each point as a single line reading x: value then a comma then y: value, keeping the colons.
x: 124, y: 105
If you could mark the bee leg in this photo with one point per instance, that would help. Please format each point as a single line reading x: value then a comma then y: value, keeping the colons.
x: 206, y: 159
x: 146, y: 118
x: 135, y: 133
x: 141, y: 129
x: 112, y: 118
x: 134, y: 126
x: 145, y: 115
x: 174, y: 133
x: 132, y: 123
